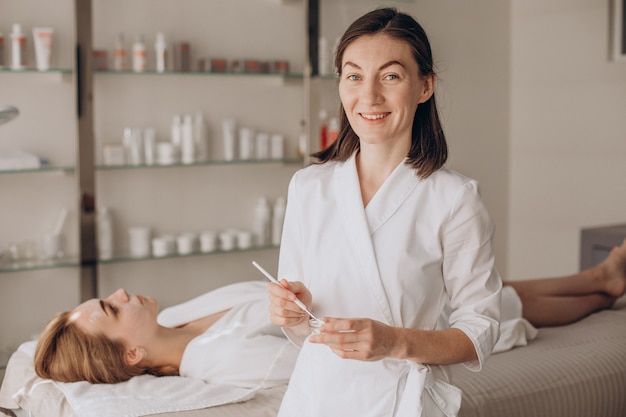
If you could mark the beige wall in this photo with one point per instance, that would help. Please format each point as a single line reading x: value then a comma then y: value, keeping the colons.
x: 568, y: 133
x: 471, y: 47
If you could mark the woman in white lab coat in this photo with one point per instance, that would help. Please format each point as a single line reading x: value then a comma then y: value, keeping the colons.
x: 378, y: 238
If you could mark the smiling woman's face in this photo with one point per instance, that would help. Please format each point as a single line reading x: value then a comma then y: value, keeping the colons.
x: 120, y: 316
x: 380, y: 89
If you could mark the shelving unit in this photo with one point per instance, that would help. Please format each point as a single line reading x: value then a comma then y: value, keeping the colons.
x: 107, y: 101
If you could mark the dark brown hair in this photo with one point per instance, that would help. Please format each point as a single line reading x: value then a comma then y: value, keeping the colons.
x: 429, y: 150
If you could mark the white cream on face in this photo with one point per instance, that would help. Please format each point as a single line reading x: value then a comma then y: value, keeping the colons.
x: 95, y: 315
x: 75, y: 315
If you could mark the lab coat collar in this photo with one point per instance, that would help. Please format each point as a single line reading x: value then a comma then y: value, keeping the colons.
x: 360, y: 223
x: 390, y: 196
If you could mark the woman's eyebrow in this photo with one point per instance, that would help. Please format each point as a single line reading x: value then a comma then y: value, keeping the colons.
x: 103, y: 307
x: 390, y: 63
x: 382, y: 67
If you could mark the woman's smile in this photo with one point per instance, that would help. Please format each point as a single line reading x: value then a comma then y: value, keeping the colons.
x: 374, y: 116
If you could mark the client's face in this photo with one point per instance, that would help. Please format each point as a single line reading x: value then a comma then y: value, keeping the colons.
x: 120, y: 316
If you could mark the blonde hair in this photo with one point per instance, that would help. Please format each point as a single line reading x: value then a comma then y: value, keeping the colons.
x: 65, y: 353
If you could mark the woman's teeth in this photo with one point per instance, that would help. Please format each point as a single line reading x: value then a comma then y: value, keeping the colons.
x: 373, y: 116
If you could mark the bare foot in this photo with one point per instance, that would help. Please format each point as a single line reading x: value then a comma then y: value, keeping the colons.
x: 614, y: 267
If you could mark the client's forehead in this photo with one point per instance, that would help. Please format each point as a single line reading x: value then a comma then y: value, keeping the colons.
x: 87, y: 314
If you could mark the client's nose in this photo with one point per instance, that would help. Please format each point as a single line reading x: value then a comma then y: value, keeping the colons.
x: 120, y: 295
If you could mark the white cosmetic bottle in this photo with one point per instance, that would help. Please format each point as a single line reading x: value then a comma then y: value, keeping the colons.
x: 262, y: 222
x: 200, y: 137
x: 160, y: 48
x: 105, y: 233
x: 119, y: 54
x: 139, y: 55
x: 176, y: 130
x: 277, y: 220
x: 18, y: 48
x: 188, y: 146
x: 323, y: 62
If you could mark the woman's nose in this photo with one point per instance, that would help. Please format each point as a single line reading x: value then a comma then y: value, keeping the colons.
x: 120, y: 296
x: 371, y: 92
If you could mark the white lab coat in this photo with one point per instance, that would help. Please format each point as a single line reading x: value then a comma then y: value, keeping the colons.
x: 417, y: 244
x: 243, y: 348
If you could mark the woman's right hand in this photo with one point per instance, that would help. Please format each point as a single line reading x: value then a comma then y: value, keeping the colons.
x: 283, y: 311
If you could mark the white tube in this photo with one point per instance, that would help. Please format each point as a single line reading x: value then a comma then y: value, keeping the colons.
x: 18, y: 47
x: 43, y: 47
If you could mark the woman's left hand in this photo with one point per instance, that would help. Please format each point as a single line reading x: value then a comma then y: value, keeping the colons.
x: 363, y: 339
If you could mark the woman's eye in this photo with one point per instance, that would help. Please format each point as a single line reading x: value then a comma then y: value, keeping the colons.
x: 391, y: 77
x: 353, y: 77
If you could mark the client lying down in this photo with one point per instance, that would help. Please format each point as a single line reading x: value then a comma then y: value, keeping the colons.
x: 225, y: 336
x: 221, y: 337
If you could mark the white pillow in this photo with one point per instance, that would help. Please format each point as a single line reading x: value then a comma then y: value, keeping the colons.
x: 22, y: 388
x: 140, y: 396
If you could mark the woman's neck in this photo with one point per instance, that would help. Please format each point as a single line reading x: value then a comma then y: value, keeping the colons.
x: 172, y: 342
x: 374, y: 164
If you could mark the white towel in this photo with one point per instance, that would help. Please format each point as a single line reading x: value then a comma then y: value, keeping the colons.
x: 140, y: 396
x: 148, y: 394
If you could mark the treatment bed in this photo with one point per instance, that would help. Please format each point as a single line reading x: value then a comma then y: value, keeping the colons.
x: 577, y: 370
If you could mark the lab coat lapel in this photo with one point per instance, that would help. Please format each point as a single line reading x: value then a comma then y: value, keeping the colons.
x: 347, y: 193
x: 394, y: 191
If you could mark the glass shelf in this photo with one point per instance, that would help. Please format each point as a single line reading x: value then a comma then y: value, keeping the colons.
x: 128, y: 258
x: 204, y: 73
x: 36, y: 71
x: 35, y: 264
x: 204, y: 163
x: 42, y: 169
x: 68, y: 169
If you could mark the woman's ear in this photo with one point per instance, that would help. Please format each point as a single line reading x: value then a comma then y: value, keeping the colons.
x: 134, y: 355
x: 428, y: 88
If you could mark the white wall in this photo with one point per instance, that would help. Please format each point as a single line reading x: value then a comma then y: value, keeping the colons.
x: 568, y: 133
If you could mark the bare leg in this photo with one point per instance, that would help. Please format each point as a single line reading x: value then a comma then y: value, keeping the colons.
x: 563, y: 300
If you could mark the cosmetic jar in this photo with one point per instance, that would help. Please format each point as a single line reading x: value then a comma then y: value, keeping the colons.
x: 139, y: 241
x: 186, y: 243
x: 277, y: 146
x: 227, y: 240
x: 315, y: 326
x: 244, y: 239
x: 208, y: 241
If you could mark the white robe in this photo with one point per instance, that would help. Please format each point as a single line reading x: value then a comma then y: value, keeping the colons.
x: 417, y: 244
x: 243, y: 348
